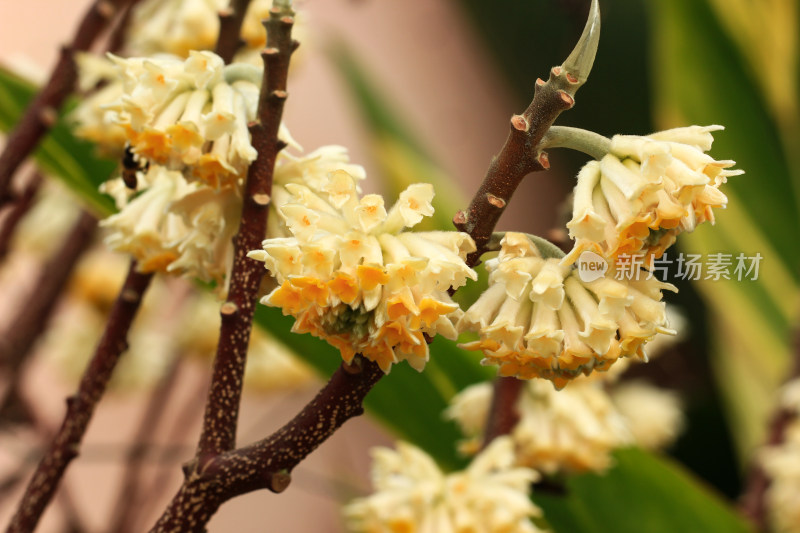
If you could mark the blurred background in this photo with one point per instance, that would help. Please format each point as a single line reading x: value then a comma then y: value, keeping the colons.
x: 423, y: 92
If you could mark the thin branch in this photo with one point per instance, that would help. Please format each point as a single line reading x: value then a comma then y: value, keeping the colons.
x: 222, y: 409
x: 42, y: 112
x: 191, y: 411
x: 268, y: 464
x: 33, y: 316
x: 503, y: 411
x: 80, y: 406
x: 128, y: 504
x: 230, y: 25
x: 116, y: 40
x: 521, y: 155
x: 17, y: 211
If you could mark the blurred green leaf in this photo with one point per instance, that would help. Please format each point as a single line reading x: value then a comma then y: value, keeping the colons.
x: 59, y: 154
x: 702, y: 78
x: 641, y: 493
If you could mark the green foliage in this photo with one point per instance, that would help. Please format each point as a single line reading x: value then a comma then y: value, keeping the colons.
x: 60, y: 153
x: 641, y: 493
x: 702, y: 78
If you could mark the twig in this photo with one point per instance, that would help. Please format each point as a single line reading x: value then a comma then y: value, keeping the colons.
x: 80, y: 406
x: 268, y: 464
x: 503, y: 411
x: 222, y: 409
x: 188, y: 415
x: 33, y: 316
x: 519, y: 157
x: 128, y: 497
x: 116, y: 40
x: 20, y: 207
x: 230, y: 25
x: 42, y: 112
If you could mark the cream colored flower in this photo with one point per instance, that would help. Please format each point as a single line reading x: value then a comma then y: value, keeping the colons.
x: 412, y: 494
x: 189, y: 115
x: 647, y: 190
x: 179, y: 26
x: 575, y: 429
x: 653, y: 416
x: 352, y: 276
x: 98, y: 80
x: 572, y: 430
x: 145, y: 227
x: 171, y: 225
x: 538, y: 319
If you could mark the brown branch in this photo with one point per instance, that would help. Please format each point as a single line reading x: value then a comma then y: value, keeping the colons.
x: 268, y: 464
x: 33, y: 316
x: 116, y: 40
x: 191, y: 411
x: 519, y: 157
x: 230, y: 25
x: 21, y: 205
x: 80, y: 406
x: 42, y: 112
x: 222, y: 410
x: 503, y: 413
x: 127, y: 505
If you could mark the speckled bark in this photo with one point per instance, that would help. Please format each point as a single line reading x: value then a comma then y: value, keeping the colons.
x: 268, y: 464
x: 222, y: 410
x: 80, y: 406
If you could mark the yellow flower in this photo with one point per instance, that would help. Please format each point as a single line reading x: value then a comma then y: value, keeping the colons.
x: 352, y: 276
x: 538, y: 319
x: 646, y: 191
x: 413, y: 494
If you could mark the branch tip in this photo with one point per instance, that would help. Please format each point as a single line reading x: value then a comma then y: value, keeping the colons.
x: 580, y: 61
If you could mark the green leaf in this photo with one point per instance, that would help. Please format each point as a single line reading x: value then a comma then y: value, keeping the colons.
x: 701, y: 77
x: 641, y: 493
x: 407, y: 402
x: 59, y: 154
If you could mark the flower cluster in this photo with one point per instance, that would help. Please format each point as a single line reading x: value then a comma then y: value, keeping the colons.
x: 413, y: 494
x: 351, y: 275
x: 190, y: 114
x: 539, y: 319
x: 647, y: 190
x: 576, y: 429
x: 175, y: 226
